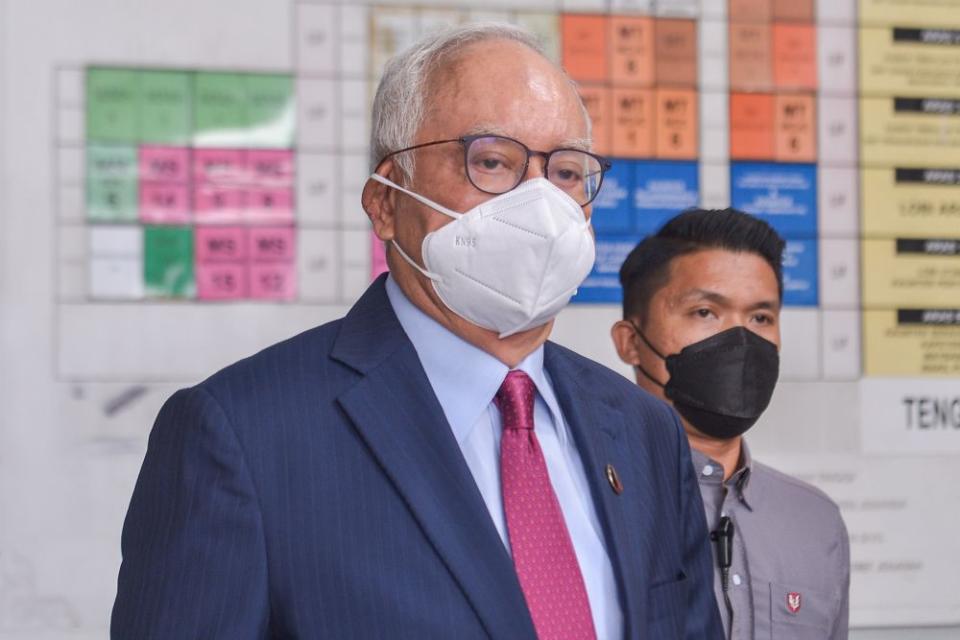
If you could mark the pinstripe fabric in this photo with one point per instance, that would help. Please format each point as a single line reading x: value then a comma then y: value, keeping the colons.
x: 315, y: 490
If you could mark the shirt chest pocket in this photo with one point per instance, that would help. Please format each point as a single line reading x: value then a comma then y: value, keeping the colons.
x: 798, y: 613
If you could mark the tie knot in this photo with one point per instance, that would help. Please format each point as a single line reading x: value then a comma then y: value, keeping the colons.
x: 514, y: 399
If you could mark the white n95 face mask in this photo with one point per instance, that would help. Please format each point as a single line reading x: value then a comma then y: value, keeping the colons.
x: 511, y: 263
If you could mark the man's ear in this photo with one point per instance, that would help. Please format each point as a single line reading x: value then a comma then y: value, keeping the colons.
x: 379, y: 201
x: 623, y: 335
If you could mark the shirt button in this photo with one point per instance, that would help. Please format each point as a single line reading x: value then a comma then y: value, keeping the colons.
x: 736, y: 579
x: 708, y: 470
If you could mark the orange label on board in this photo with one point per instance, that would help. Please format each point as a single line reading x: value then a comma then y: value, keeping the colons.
x: 795, y: 56
x: 676, y: 128
x: 751, y: 57
x: 676, y: 53
x: 585, y: 46
x: 796, y: 128
x: 633, y: 126
x: 631, y: 56
x: 795, y: 10
x: 750, y: 10
x: 751, y: 126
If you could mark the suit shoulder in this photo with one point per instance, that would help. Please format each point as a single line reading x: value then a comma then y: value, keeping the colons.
x: 608, y: 385
x: 282, y: 363
x: 802, y: 496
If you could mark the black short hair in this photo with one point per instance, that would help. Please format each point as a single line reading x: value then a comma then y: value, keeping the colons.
x: 647, y: 267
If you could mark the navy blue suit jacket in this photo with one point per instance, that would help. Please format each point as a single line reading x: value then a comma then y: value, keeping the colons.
x: 315, y: 490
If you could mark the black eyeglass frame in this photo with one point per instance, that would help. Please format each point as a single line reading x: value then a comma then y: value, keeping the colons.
x: 466, y: 141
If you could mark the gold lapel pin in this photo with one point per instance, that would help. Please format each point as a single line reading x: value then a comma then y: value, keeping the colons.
x: 614, y: 479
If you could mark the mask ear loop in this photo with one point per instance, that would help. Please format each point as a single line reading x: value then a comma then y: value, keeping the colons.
x: 416, y: 196
x: 430, y: 203
x: 647, y: 375
x: 403, y: 254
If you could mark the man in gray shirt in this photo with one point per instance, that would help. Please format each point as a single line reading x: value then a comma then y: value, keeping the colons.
x: 701, y: 311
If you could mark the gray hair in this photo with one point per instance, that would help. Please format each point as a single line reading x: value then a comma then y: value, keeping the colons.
x: 399, y: 104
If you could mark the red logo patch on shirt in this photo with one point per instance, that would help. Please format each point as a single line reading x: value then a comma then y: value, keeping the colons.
x: 793, y: 602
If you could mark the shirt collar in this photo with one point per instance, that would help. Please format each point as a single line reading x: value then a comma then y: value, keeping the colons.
x: 740, y: 480
x: 464, y: 378
x: 744, y: 470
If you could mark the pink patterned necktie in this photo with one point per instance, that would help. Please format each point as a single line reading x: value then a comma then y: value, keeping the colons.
x: 542, y: 551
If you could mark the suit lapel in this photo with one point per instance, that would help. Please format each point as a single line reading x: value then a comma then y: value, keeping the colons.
x: 598, y: 430
x: 395, y: 411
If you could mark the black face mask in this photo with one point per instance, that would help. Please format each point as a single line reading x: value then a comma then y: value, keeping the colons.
x: 723, y: 384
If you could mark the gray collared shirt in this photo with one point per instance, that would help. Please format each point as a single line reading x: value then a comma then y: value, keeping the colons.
x: 790, y: 572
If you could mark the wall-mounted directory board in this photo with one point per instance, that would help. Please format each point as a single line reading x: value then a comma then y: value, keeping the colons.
x: 181, y: 187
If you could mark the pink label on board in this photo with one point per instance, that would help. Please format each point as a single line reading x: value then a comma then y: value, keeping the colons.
x: 270, y: 167
x: 221, y: 281
x: 164, y: 203
x: 269, y: 205
x: 219, y: 205
x: 164, y: 164
x: 272, y: 244
x: 221, y: 244
x: 273, y: 281
x: 219, y: 166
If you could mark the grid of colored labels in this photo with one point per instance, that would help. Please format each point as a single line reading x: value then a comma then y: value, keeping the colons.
x: 190, y: 185
x: 638, y: 79
x: 773, y: 129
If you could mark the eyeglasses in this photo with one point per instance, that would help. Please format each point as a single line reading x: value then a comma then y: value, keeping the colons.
x: 497, y: 164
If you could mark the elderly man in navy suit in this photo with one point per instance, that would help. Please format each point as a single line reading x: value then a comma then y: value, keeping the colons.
x: 430, y: 466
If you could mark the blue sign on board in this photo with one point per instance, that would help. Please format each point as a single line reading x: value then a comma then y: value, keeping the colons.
x: 800, y: 274
x: 637, y: 197
x: 612, y: 209
x: 785, y: 195
x: 662, y: 189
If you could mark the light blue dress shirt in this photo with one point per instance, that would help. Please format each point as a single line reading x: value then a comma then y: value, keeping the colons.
x: 465, y: 380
